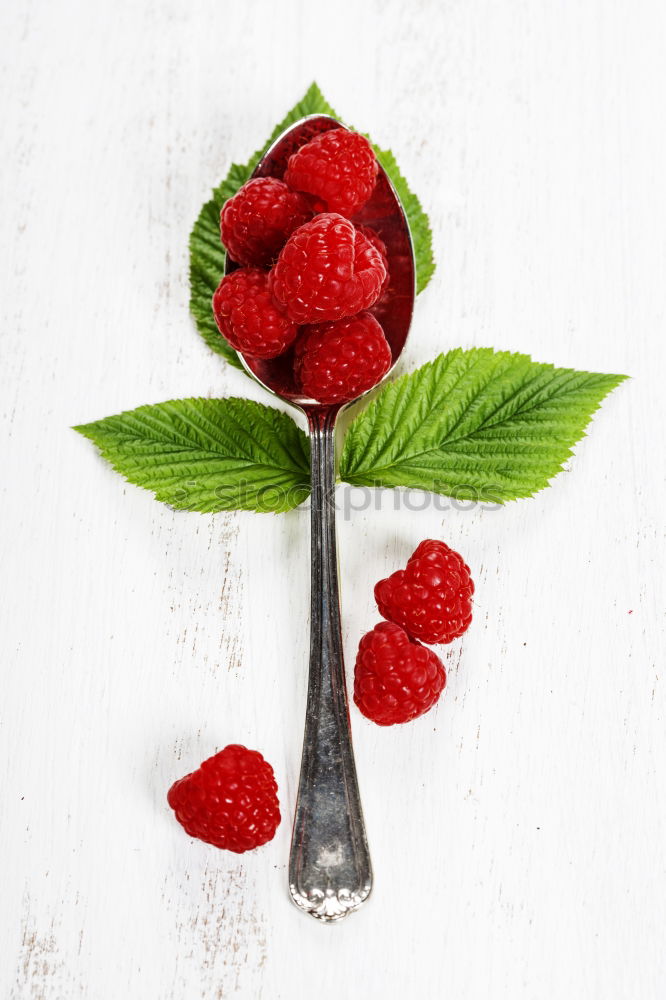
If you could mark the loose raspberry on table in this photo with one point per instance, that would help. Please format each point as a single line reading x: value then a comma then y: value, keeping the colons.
x: 327, y: 270
x: 256, y: 223
x: 395, y: 678
x: 432, y: 597
x: 339, y: 167
x: 230, y: 801
x: 336, y: 362
x: 247, y: 316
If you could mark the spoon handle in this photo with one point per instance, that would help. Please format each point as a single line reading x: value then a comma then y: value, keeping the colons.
x: 329, y: 866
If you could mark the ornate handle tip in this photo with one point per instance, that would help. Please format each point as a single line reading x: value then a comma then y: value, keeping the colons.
x: 331, y: 904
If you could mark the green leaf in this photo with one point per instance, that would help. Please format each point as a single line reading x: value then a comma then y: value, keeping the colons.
x: 209, y: 455
x: 207, y: 253
x: 478, y: 424
x: 418, y: 220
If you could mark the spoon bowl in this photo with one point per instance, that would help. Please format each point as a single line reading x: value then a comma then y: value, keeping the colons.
x: 330, y: 874
x: 385, y: 215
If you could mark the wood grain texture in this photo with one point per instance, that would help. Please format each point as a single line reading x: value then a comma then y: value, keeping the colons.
x: 518, y: 831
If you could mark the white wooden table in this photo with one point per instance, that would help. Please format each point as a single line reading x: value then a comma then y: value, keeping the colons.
x: 518, y: 831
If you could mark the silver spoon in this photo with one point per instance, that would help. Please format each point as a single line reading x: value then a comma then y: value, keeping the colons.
x: 330, y: 874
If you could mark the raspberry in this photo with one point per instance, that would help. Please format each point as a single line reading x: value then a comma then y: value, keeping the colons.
x: 378, y: 244
x: 338, y: 166
x: 395, y: 679
x: 432, y: 597
x: 336, y: 362
x: 326, y: 271
x: 248, y: 317
x: 256, y: 222
x: 230, y: 801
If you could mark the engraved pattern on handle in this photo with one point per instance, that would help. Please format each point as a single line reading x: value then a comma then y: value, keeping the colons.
x: 329, y: 866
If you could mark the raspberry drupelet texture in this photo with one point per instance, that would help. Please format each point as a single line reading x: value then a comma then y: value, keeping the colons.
x: 230, y: 801
x: 378, y: 244
x: 395, y: 679
x: 336, y: 362
x: 247, y: 316
x: 256, y: 223
x: 327, y: 270
x: 338, y: 167
x: 432, y: 597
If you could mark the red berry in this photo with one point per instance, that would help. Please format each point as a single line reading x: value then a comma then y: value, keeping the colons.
x: 432, y: 597
x: 327, y: 270
x: 230, y: 801
x: 248, y: 317
x: 339, y: 167
x: 395, y: 679
x: 256, y: 222
x: 336, y: 362
x: 378, y: 244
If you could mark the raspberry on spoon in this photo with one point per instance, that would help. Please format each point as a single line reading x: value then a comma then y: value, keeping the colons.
x: 336, y: 362
x: 378, y: 244
x: 257, y: 221
x: 327, y: 270
x: 248, y: 318
x: 339, y: 167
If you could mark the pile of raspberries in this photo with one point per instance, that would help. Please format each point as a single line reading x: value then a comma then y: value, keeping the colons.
x: 231, y: 800
x: 307, y: 275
